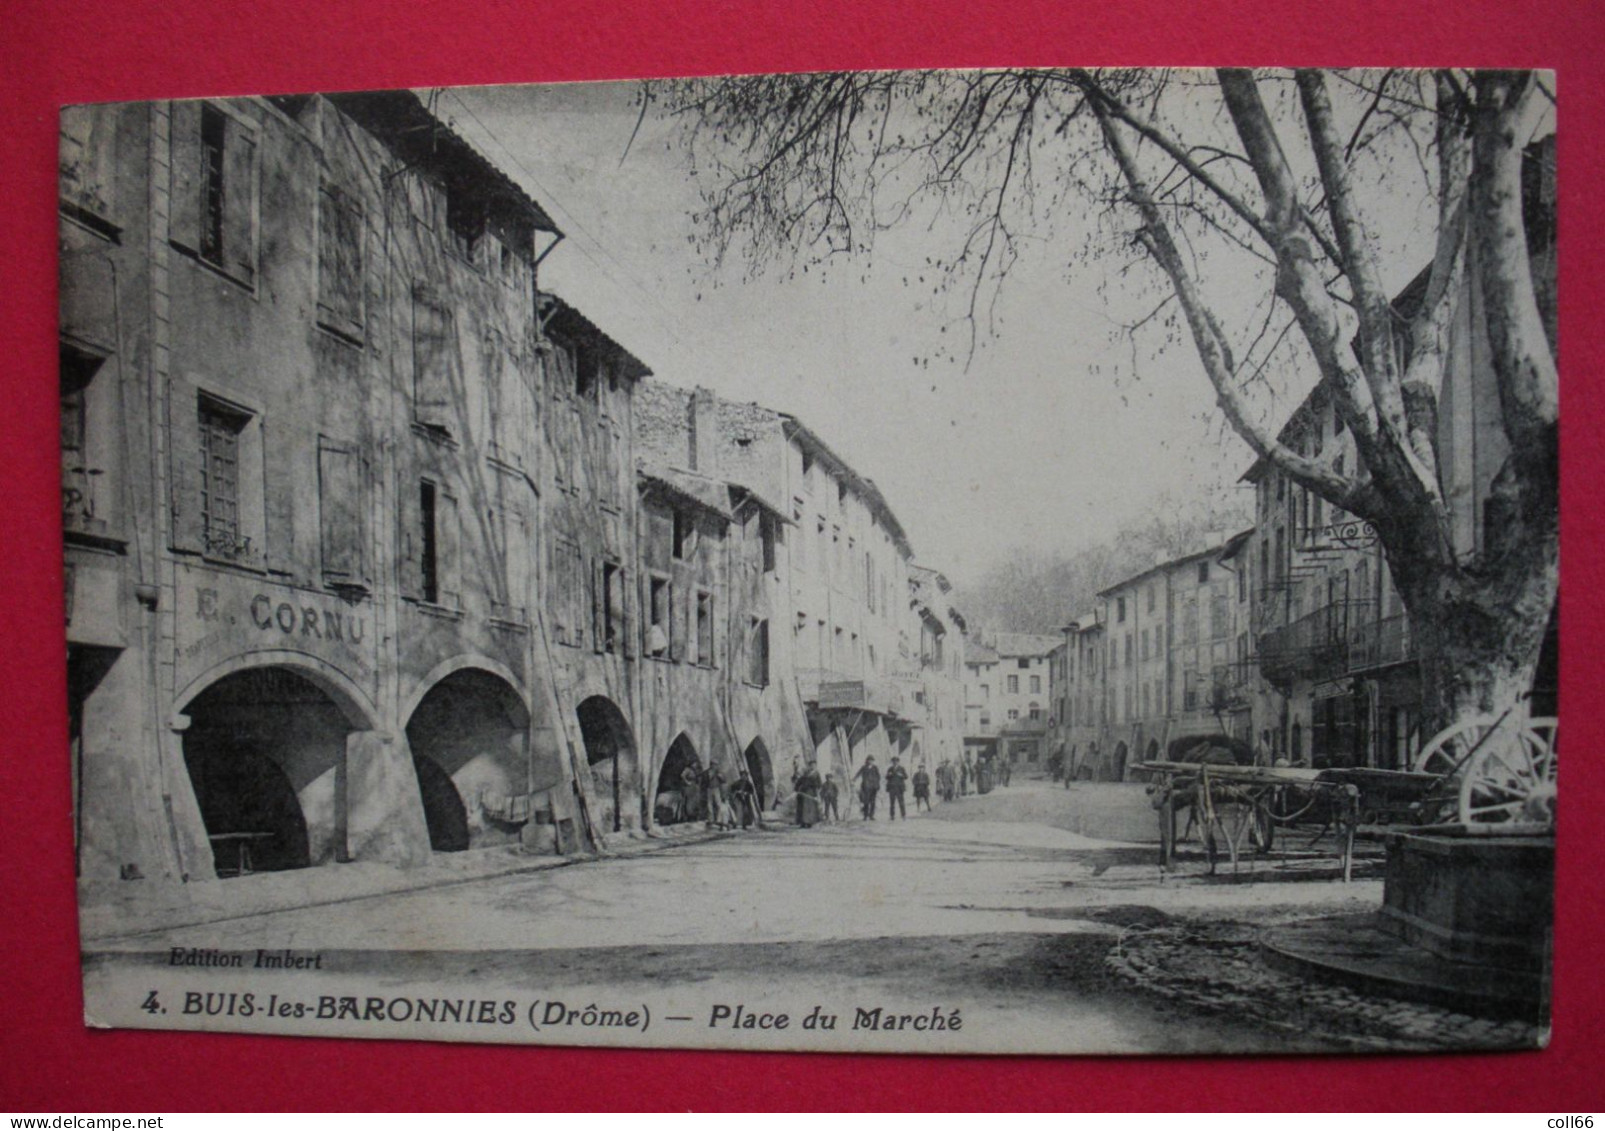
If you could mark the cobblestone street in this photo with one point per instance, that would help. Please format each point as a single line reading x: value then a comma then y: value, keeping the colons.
x: 1044, y: 938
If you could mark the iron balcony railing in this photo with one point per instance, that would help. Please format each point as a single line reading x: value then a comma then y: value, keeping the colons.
x: 1379, y: 643
x: 1331, y: 642
x: 1315, y: 646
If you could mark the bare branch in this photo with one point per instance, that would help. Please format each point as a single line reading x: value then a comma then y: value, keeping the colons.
x: 1212, y: 349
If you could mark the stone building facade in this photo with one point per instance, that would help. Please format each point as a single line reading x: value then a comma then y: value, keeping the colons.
x: 311, y: 414
x: 1158, y: 659
x: 375, y: 550
x: 1009, y: 697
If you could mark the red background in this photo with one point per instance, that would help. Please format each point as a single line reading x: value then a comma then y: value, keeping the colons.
x: 59, y: 51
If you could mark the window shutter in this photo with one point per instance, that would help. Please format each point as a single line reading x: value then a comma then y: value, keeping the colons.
x: 519, y: 554
x: 448, y: 550
x: 340, y: 512
x: 184, y: 153
x: 184, y: 466
x: 626, y: 637
x: 678, y: 634
x: 598, y: 629
x: 278, y: 458
x: 431, y: 368
x: 239, y: 203
x: 410, y: 544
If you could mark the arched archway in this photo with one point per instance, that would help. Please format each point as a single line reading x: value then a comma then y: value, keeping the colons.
x: 673, y: 800
x: 1152, y: 753
x: 469, y: 736
x: 1118, y: 767
x: 265, y: 750
x: 761, y: 770
x: 444, y: 812
x: 610, y: 753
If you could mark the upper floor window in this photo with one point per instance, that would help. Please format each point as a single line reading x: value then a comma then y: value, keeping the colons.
x: 704, y: 625
x: 213, y: 211
x: 1036, y: 685
x: 660, y: 616
x: 1203, y: 573
x: 433, y: 336
x: 1014, y: 685
x: 465, y: 220
x: 685, y: 534
x: 1120, y: 610
x: 768, y: 535
x: 340, y: 277
x: 758, y: 652
x: 220, y: 429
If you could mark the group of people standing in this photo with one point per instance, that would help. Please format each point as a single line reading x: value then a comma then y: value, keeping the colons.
x: 819, y: 799
x: 703, y: 793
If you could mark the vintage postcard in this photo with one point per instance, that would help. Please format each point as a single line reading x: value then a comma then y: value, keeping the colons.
x: 1011, y: 561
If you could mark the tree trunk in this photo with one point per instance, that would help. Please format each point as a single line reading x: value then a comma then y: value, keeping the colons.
x: 1478, y: 639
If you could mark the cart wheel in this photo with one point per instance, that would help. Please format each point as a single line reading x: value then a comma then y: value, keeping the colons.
x: 1446, y: 753
x: 1262, y: 833
x: 1512, y: 779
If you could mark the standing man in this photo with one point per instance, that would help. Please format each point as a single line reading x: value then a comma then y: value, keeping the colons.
x: 828, y: 795
x: 808, y: 797
x: 713, y: 796
x: 869, y: 786
x: 964, y: 775
x: 744, y: 795
x: 690, y: 793
x: 896, y: 780
x: 922, y: 788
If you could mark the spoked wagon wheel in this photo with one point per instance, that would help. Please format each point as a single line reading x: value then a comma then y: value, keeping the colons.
x: 1262, y: 832
x: 1446, y: 754
x: 1512, y: 779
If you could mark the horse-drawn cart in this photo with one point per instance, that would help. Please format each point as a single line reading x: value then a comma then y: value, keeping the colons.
x: 1486, y: 772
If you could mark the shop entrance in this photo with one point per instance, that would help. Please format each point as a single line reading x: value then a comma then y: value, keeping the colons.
x: 677, y: 801
x: 469, y: 737
x: 610, y: 753
x: 265, y: 750
x: 761, y: 770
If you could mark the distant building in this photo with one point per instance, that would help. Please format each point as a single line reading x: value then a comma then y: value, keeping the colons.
x: 1009, y: 697
x: 1156, y: 661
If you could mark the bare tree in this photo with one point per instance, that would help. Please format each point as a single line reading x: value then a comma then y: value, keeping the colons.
x: 1285, y: 171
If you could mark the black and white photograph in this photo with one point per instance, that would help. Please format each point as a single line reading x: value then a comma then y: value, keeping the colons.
x: 1008, y: 561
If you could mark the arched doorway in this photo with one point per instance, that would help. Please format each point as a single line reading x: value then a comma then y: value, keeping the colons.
x: 673, y: 802
x: 610, y: 753
x: 444, y: 811
x: 265, y: 750
x: 761, y: 770
x: 469, y: 737
x: 1152, y: 753
x: 1118, y: 769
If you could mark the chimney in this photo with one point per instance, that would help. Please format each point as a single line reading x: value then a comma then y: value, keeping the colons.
x: 704, y: 432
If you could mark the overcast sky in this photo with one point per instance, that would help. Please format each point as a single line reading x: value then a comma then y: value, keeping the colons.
x: 1046, y: 440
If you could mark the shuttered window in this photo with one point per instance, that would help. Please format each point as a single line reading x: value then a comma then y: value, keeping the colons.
x: 213, y: 185
x: 758, y: 653
x: 432, y: 348
x: 340, y: 277
x: 342, y: 515
x: 220, y: 429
